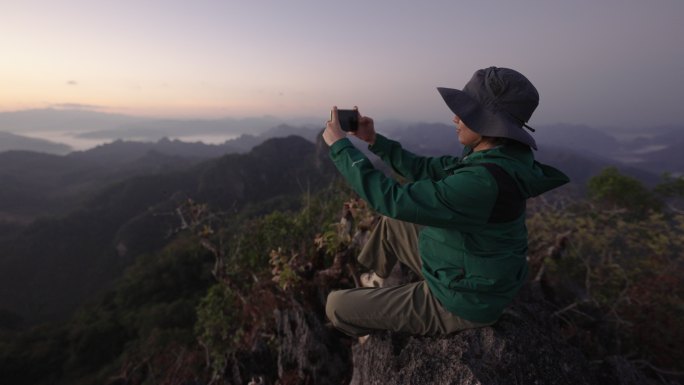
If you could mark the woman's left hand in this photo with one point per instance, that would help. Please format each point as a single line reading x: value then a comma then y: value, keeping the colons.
x: 333, y: 132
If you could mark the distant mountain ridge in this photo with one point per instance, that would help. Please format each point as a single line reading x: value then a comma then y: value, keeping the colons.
x: 653, y: 149
x: 578, y: 150
x: 13, y: 142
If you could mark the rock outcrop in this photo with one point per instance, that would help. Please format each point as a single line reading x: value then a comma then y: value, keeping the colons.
x: 310, y: 352
x: 523, y: 347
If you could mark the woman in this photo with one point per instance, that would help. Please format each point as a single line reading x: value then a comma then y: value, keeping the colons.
x: 459, y: 224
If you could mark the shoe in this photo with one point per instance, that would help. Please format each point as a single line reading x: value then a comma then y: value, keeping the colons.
x: 371, y: 279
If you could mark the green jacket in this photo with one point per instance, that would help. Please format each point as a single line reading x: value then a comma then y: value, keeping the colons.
x: 473, y: 266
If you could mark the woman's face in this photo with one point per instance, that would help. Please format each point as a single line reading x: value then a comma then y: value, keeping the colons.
x: 466, y: 136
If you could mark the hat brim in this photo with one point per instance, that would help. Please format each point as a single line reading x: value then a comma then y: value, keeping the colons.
x: 482, y: 120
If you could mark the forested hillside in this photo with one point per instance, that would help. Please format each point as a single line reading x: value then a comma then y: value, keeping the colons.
x: 37, y: 184
x: 50, y: 266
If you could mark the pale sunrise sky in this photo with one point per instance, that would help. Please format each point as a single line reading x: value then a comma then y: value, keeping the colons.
x: 612, y: 62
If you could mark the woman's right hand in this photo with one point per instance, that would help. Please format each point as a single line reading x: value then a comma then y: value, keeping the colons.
x: 366, y: 130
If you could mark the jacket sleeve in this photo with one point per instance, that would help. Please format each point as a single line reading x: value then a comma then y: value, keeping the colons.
x: 409, y: 165
x: 462, y: 200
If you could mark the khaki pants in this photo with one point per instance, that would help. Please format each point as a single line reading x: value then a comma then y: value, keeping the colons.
x: 405, y: 308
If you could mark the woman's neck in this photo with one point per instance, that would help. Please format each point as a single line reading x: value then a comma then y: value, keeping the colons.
x: 482, y: 145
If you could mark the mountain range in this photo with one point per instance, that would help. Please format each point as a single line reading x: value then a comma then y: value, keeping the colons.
x: 36, y: 183
x: 653, y: 149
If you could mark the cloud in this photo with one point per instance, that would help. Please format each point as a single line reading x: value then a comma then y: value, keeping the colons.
x: 72, y: 83
x: 76, y: 106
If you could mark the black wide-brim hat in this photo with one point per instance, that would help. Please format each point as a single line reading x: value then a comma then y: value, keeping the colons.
x: 495, y: 102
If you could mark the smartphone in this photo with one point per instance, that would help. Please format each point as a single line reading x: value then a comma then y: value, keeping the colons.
x: 349, y: 119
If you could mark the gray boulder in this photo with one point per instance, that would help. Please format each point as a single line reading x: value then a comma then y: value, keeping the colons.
x: 523, y: 347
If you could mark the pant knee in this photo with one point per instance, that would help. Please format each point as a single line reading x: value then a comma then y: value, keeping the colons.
x: 331, y: 304
x: 335, y: 311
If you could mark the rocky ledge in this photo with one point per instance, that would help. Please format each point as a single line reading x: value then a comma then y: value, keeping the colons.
x: 523, y: 347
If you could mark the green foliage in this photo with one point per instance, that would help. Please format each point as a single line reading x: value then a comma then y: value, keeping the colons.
x: 278, y: 229
x: 282, y: 269
x: 619, y: 281
x: 670, y: 186
x: 671, y: 191
x: 356, y: 219
x: 292, y: 231
x: 156, y: 303
x: 219, y: 324
x: 147, y: 318
x: 266, y: 250
x: 94, y: 343
x: 242, y: 248
x: 180, y: 270
x: 620, y: 191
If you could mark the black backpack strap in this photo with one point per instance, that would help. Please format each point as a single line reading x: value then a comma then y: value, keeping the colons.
x: 510, y: 202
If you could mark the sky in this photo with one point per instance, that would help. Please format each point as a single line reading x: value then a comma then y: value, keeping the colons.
x: 600, y: 63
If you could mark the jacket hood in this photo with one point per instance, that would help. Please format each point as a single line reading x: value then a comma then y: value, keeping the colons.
x: 533, y: 178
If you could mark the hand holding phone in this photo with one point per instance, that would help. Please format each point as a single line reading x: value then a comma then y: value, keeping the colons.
x: 349, y: 120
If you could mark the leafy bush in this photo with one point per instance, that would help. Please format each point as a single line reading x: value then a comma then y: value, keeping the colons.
x: 219, y: 325
x: 266, y: 254
x: 616, y: 190
x: 619, y: 282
